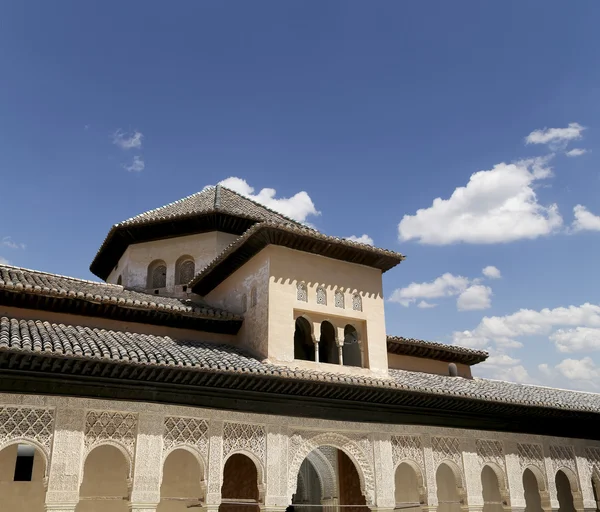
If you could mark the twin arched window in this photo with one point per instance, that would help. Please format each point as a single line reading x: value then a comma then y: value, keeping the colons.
x: 185, y: 269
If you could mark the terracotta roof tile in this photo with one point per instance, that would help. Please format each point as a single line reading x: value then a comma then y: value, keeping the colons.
x: 32, y: 336
x: 434, y: 350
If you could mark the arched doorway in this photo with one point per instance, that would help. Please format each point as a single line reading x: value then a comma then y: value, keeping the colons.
x: 533, y: 499
x: 182, y: 483
x: 328, y: 350
x: 447, y: 489
x: 492, y: 495
x: 105, y: 481
x: 304, y: 348
x: 564, y: 492
x: 407, y: 488
x: 239, y: 492
x: 328, y: 477
x: 351, y: 353
x: 22, y: 471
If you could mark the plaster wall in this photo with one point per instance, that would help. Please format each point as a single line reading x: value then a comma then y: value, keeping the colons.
x: 421, y: 364
x: 29, y: 496
x: 116, y: 325
x: 230, y: 294
x: 133, y: 265
x: 288, y: 267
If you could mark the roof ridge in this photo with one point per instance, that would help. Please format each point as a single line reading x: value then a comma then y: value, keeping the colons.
x: 70, y: 278
x: 208, y: 187
x: 538, y: 386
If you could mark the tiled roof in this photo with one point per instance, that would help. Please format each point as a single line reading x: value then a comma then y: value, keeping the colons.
x: 58, y: 340
x: 18, y: 280
x: 433, y: 350
x: 217, y: 198
x: 294, y: 237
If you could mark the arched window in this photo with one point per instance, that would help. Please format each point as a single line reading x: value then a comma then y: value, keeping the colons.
x: 339, y: 299
x: 157, y: 274
x: 244, y: 303
x: 351, y: 349
x: 301, y: 292
x: 357, y: 302
x: 304, y: 348
x: 321, y: 295
x: 253, y: 297
x: 328, y: 350
x: 185, y: 269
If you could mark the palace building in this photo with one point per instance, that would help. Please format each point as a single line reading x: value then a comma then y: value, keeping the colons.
x: 235, y: 360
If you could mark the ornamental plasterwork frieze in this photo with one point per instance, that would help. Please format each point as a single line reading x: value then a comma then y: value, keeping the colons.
x: 563, y: 457
x: 489, y: 450
x: 245, y: 437
x: 446, y: 448
x: 114, y: 428
x: 186, y: 432
x: 25, y: 423
x: 302, y: 443
x: 531, y: 455
x: 407, y: 447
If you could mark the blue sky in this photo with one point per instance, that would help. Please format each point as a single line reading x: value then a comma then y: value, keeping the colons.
x: 373, y: 110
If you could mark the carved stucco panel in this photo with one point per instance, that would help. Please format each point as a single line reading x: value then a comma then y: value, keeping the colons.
x: 186, y: 432
x: 593, y: 456
x: 407, y: 447
x: 246, y: 438
x: 215, y: 461
x: 27, y: 423
x: 446, y: 449
x: 531, y: 455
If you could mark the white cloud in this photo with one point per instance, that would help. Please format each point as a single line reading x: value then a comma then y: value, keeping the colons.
x: 491, y: 272
x: 363, y: 239
x: 4, y: 261
x: 499, y: 205
x: 555, y: 137
x: 297, y: 207
x: 577, y: 340
x: 576, y: 152
x: 585, y: 220
x: 137, y: 165
x: 7, y: 241
x: 426, y: 305
x: 447, y: 285
x: 582, y: 371
x: 504, y: 331
x: 475, y: 297
x: 501, y: 360
x: 128, y: 141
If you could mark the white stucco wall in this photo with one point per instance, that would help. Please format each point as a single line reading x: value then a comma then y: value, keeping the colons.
x: 133, y: 265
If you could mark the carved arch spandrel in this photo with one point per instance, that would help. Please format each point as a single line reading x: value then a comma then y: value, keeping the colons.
x: 305, y: 442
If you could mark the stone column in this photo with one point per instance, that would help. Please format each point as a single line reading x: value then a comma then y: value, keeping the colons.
x: 472, y: 468
x: 66, y: 464
x: 276, y: 496
x: 514, y: 476
x: 148, y: 463
x: 214, y: 471
x: 550, y: 481
x: 340, y: 344
x: 384, y: 472
x: 429, y: 476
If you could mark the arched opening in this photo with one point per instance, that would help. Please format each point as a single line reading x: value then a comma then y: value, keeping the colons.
x: 328, y: 350
x: 182, y: 482
x: 304, y: 348
x: 533, y: 500
x: 328, y: 477
x: 407, y: 492
x: 492, y: 497
x: 447, y: 490
x: 351, y: 349
x: 185, y: 269
x: 22, y: 470
x: 157, y: 274
x: 239, y: 492
x: 564, y: 492
x: 105, y: 481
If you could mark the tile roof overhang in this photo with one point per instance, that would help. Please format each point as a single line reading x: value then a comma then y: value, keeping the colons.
x: 301, y: 239
x: 431, y: 350
x: 33, y: 289
x: 213, y: 209
x: 44, y: 358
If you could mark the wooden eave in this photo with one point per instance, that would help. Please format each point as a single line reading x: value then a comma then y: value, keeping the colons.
x: 448, y: 355
x: 264, y: 392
